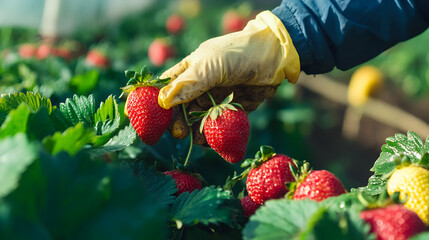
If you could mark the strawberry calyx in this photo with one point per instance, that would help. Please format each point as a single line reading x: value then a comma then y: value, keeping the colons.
x: 144, y: 78
x: 300, y: 174
x: 404, y: 161
x: 264, y: 154
x: 188, y: 169
x: 217, y: 109
x: 380, y: 201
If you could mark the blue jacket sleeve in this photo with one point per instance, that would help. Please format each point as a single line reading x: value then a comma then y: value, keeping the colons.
x: 345, y: 33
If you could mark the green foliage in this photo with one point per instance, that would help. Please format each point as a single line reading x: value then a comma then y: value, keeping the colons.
x: 119, y: 142
x: 15, y: 122
x: 305, y: 219
x: 209, y: 205
x: 33, y: 100
x: 105, y: 120
x: 160, y: 185
x: 85, y: 83
x: 397, y: 149
x: 421, y: 236
x: 73, y: 198
x: 16, y: 153
x: 72, y: 140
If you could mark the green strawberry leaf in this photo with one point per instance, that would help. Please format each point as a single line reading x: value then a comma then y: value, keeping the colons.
x: 72, y: 140
x: 16, y: 154
x: 16, y: 121
x: 119, y: 142
x: 376, y: 185
x: 397, y: 149
x: 84, y: 83
x: 421, y: 236
x: 305, y: 219
x: 344, y: 201
x: 106, y: 120
x: 79, y: 110
x: 398, y: 146
x: 209, y: 205
x: 160, y: 185
x: 80, y: 198
x: 13, y: 100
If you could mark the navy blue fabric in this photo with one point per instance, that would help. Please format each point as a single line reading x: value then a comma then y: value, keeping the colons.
x: 345, y: 33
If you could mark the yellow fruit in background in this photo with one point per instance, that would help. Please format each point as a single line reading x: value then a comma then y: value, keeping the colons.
x: 189, y: 8
x: 413, y: 183
x: 365, y: 82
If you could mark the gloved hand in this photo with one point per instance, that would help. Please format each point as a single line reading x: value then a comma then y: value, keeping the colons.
x: 262, y: 54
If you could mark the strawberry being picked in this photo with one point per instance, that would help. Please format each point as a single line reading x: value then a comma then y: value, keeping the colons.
x: 226, y: 128
x: 316, y: 185
x: 148, y: 118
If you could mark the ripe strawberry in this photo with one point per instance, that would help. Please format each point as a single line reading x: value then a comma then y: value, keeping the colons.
x: 393, y: 222
x: 412, y: 181
x: 27, y: 50
x: 185, y: 182
x: 233, y: 22
x: 43, y: 51
x: 148, y: 118
x: 159, y: 52
x: 63, y: 53
x: 267, y: 175
x: 97, y: 58
x: 175, y: 24
x: 318, y: 185
x: 249, y: 206
x: 227, y: 130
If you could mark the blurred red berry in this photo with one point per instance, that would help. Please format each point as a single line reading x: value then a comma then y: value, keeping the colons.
x: 43, y: 51
x: 175, y: 24
x: 27, y: 50
x: 159, y: 52
x: 97, y: 59
x: 62, y: 52
x: 233, y: 22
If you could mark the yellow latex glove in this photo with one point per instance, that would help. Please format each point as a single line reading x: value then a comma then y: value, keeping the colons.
x: 261, y: 54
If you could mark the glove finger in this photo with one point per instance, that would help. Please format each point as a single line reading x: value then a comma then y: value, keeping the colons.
x: 177, y: 69
x: 188, y: 86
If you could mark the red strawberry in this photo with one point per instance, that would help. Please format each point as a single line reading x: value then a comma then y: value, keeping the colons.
x: 249, y: 206
x: 394, y: 222
x: 97, y: 58
x: 175, y: 24
x: 63, y: 53
x: 43, y: 51
x: 27, y: 50
x: 148, y: 118
x: 268, y: 180
x: 185, y: 182
x: 227, y: 130
x: 318, y: 185
x: 159, y: 52
x: 233, y: 22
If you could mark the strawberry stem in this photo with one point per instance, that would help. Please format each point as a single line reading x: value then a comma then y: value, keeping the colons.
x: 211, y: 99
x: 190, y: 134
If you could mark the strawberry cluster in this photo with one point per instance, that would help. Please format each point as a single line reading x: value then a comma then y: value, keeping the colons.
x: 270, y: 175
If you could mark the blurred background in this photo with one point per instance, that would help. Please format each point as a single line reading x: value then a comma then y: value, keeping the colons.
x: 337, y: 121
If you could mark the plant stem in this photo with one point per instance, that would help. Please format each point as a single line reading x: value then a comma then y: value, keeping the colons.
x: 211, y: 98
x: 190, y: 133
